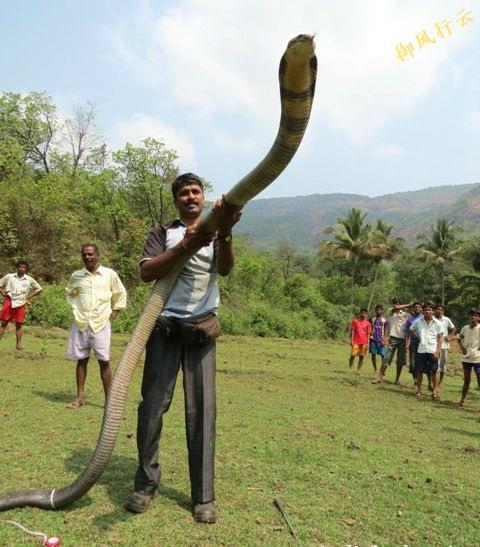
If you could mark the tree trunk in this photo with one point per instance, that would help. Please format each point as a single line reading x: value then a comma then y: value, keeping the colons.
x: 442, y: 284
x: 352, y: 287
x: 370, y: 301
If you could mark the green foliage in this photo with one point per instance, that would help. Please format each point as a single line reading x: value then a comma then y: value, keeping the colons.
x: 62, y: 187
x: 50, y: 308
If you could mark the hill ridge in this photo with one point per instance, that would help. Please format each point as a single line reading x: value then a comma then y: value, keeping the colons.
x: 301, y: 220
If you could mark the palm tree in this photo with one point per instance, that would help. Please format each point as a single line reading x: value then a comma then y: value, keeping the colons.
x: 441, y: 247
x: 383, y: 247
x: 352, y: 239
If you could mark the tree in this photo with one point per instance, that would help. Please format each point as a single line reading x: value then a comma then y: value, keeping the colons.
x: 81, y: 135
x: 352, y: 239
x: 145, y: 175
x: 30, y: 122
x: 442, y: 246
x: 383, y: 247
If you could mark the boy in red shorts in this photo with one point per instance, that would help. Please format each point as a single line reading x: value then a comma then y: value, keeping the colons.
x: 360, y: 329
x: 17, y: 289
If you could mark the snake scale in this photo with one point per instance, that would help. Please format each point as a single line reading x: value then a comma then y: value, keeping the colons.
x: 297, y: 75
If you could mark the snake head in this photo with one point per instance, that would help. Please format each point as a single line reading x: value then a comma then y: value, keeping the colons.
x: 298, y: 66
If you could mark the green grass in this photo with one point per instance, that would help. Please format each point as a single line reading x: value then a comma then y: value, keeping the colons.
x: 352, y: 462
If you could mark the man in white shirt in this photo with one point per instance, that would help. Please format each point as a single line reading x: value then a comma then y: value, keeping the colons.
x: 96, y: 295
x: 448, y: 330
x: 17, y: 289
x: 430, y: 333
x: 469, y: 341
x: 395, y: 335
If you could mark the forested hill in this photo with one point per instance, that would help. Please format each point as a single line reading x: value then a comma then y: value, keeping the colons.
x: 302, y: 220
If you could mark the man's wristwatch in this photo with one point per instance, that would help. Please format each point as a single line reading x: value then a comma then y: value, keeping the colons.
x: 227, y: 238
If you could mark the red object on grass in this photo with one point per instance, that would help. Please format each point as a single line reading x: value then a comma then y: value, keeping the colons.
x: 52, y: 542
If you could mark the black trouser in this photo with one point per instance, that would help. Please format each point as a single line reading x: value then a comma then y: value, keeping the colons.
x: 414, y: 342
x: 164, y: 354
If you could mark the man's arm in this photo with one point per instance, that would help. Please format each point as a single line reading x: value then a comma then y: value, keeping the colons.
x: 437, y: 351
x: 71, y: 290
x: 161, y: 265
x: 119, y: 296
x: 3, y: 284
x: 451, y: 331
x: 227, y: 215
x: 35, y: 290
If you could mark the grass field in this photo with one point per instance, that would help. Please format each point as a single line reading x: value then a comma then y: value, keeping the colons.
x: 353, y: 463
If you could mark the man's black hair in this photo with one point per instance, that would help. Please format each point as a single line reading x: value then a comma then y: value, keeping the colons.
x: 379, y: 307
x: 90, y: 245
x: 417, y: 303
x: 474, y: 311
x: 438, y: 306
x: 186, y: 178
x: 395, y: 301
x: 428, y: 305
x: 22, y: 262
x: 363, y: 310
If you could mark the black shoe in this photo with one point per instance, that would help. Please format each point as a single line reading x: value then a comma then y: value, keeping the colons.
x: 205, y: 512
x: 138, y: 502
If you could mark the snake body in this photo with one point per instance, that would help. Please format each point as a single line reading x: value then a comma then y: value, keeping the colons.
x: 297, y: 75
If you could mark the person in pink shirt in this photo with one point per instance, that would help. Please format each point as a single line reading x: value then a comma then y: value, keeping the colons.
x: 360, y: 329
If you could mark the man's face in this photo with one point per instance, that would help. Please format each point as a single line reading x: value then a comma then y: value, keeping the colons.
x: 417, y: 309
x: 474, y: 318
x: 439, y: 312
x: 379, y: 312
x: 90, y: 257
x: 363, y: 315
x: 21, y: 269
x: 428, y: 313
x: 189, y: 200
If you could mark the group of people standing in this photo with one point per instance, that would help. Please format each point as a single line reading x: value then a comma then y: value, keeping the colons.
x: 184, y: 334
x: 424, y: 334
x: 95, y: 294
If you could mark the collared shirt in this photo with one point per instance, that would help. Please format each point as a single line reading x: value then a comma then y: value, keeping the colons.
x: 18, y: 288
x: 361, y: 329
x: 397, y: 322
x: 93, y: 296
x: 195, y: 291
x: 470, y: 337
x: 447, y: 326
x: 379, y: 325
x: 428, y: 333
x: 409, y: 322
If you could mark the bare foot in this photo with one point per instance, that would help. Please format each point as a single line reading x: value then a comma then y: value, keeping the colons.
x: 76, y: 403
x: 19, y: 348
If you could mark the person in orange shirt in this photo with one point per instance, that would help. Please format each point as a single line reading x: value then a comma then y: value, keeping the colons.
x: 360, y: 329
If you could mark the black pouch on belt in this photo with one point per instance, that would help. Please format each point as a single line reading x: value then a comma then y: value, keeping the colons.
x: 194, y: 330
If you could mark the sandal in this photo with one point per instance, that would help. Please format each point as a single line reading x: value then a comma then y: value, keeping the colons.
x: 418, y: 394
x: 435, y: 396
x: 75, y: 404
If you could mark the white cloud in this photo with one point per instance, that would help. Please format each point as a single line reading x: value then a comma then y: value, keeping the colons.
x: 142, y: 126
x: 218, y: 58
x: 387, y: 150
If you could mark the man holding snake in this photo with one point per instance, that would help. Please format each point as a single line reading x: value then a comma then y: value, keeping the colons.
x: 184, y: 335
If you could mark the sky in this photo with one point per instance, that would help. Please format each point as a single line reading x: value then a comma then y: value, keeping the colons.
x: 201, y: 75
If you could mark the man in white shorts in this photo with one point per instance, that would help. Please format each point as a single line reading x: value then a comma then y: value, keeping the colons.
x: 96, y: 295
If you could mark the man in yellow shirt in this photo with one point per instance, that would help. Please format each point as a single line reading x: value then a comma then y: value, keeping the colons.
x: 17, y: 289
x: 96, y: 295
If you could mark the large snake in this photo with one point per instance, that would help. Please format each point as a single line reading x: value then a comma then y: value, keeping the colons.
x: 297, y: 75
